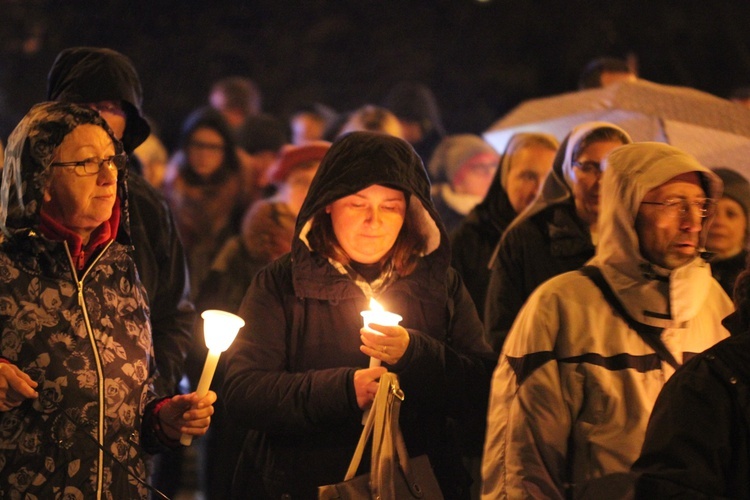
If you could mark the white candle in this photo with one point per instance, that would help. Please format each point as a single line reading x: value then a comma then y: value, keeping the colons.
x: 219, y: 329
x: 379, y: 316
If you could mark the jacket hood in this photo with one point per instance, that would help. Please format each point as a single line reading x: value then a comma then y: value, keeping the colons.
x: 360, y: 159
x: 652, y: 295
x: 31, y: 148
x: 92, y: 74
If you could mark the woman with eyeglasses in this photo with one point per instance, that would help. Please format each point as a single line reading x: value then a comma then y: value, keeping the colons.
x: 204, y: 193
x: 557, y: 232
x: 78, y: 411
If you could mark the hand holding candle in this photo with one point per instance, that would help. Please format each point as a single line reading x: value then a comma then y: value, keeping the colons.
x: 378, y: 316
x: 219, y: 329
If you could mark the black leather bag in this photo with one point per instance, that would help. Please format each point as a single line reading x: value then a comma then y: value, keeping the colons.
x: 393, y: 475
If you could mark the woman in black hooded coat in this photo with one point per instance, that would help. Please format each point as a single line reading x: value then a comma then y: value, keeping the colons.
x: 297, y: 376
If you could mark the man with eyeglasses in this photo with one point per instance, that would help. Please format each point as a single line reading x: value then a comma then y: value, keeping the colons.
x: 591, y: 349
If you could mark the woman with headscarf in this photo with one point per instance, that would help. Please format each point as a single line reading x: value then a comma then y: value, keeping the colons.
x: 298, y: 372
x: 523, y: 166
x: 728, y: 233
x: 78, y: 410
x: 204, y: 194
x: 557, y: 233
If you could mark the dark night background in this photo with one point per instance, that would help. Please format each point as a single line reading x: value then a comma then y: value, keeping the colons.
x: 480, y: 58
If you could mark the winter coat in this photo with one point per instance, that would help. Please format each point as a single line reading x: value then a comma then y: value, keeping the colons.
x: 575, y: 384
x: 92, y: 74
x: 548, y: 239
x: 83, y: 336
x: 204, y: 208
x: 726, y: 270
x: 544, y: 245
x: 475, y: 239
x: 698, y: 439
x: 290, y: 371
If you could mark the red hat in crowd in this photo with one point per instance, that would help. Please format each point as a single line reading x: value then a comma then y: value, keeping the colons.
x: 292, y: 156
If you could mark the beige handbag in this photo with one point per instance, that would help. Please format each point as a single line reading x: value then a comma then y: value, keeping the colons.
x: 393, y: 475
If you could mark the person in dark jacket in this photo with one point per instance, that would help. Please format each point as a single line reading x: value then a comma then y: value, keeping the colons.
x: 557, y: 233
x: 728, y: 234
x: 698, y: 437
x: 298, y: 372
x: 107, y: 81
x: 523, y: 166
x: 205, y: 193
x: 78, y: 409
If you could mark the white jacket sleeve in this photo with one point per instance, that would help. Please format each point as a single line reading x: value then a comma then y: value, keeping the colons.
x: 531, y: 411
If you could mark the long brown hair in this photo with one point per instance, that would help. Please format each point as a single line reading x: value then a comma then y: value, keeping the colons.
x: 402, y: 257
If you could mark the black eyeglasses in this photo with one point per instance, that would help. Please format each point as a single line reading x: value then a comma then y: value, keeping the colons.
x: 92, y: 166
x: 588, y: 167
x: 679, y: 207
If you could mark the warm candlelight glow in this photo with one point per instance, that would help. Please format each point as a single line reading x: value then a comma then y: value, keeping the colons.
x: 219, y: 330
x: 375, y: 306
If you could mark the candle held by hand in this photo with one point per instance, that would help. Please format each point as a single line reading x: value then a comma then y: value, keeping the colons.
x: 378, y: 315
x: 219, y: 329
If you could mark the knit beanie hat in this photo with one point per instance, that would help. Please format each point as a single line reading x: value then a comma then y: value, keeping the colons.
x: 736, y: 187
x: 296, y: 156
x: 453, y: 152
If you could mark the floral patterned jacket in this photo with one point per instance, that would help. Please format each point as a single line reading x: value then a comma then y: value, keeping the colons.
x: 83, y: 336
x: 86, y: 340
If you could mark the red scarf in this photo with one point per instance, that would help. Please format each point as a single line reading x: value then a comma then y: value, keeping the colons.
x: 54, y: 230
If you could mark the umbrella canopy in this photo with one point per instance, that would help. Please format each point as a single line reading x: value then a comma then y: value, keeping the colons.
x: 714, y: 130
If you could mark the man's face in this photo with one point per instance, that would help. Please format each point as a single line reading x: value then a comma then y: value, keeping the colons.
x: 667, y: 238
x: 528, y: 168
x: 112, y: 113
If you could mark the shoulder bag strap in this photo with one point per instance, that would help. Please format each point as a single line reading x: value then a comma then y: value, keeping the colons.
x: 651, y: 335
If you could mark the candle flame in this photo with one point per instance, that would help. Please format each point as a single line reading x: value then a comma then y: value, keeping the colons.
x: 375, y: 305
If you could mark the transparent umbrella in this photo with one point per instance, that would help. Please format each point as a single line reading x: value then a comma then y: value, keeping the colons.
x: 714, y: 130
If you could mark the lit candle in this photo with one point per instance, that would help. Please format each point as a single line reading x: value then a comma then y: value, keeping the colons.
x: 219, y: 329
x: 379, y: 316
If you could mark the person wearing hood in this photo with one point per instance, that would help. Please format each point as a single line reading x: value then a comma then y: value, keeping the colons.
x: 591, y: 349
x: 728, y: 234
x: 106, y: 81
x: 205, y: 193
x: 558, y: 231
x: 297, y: 374
x: 523, y: 166
x: 461, y: 170
x: 77, y: 402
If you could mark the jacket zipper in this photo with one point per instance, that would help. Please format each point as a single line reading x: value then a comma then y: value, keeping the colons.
x: 97, y: 361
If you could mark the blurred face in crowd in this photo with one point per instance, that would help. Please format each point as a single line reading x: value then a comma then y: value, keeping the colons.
x: 367, y: 223
x: 297, y: 185
x: 80, y: 201
x: 728, y: 231
x: 588, y: 175
x: 668, y: 237
x: 528, y: 168
x: 306, y: 127
x: 475, y: 176
x: 112, y: 113
x: 205, y: 151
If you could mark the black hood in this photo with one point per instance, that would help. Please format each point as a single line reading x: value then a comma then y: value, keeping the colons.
x: 361, y: 159
x: 92, y: 74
